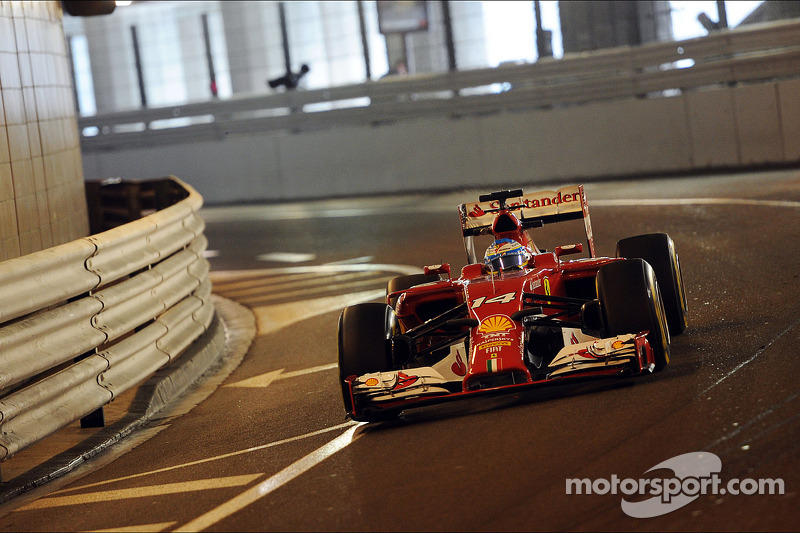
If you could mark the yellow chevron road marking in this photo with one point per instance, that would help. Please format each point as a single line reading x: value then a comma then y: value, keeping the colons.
x: 288, y: 440
x: 143, y: 528
x: 143, y: 492
x: 272, y: 483
x: 271, y: 318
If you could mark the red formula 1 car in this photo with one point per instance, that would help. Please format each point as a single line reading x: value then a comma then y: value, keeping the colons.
x: 520, y: 317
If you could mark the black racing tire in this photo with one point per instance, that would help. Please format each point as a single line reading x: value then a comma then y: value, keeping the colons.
x: 659, y: 250
x: 401, y: 283
x: 631, y: 302
x: 365, y: 332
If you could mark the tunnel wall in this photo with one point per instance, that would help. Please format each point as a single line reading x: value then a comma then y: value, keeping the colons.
x: 42, y: 202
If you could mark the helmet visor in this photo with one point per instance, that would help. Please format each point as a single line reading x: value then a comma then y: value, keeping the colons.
x: 507, y: 261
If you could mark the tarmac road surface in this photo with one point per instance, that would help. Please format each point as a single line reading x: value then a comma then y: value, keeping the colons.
x: 269, y: 448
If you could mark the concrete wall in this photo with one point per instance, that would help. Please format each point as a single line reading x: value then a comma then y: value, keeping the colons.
x: 42, y: 200
x: 724, y: 128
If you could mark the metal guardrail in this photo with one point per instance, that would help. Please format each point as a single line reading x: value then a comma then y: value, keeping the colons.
x: 748, y: 54
x: 83, y: 322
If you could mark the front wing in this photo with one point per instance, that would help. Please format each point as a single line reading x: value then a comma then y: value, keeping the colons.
x: 414, y: 387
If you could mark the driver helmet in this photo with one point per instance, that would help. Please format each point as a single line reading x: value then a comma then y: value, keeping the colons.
x: 506, y: 254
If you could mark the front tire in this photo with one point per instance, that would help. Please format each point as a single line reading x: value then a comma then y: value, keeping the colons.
x: 365, y: 332
x: 659, y: 250
x: 631, y: 301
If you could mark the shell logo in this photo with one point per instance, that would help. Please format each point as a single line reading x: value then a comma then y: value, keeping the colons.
x: 496, y: 324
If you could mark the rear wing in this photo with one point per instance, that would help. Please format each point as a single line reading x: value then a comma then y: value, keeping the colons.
x: 533, y: 211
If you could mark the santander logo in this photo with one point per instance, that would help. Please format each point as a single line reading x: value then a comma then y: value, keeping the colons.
x: 459, y: 368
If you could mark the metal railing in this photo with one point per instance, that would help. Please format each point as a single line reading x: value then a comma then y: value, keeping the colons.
x: 83, y: 322
x: 742, y: 55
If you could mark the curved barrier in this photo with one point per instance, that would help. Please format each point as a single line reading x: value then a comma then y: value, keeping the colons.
x: 83, y: 322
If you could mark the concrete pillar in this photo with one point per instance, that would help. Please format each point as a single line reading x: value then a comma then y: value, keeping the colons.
x: 253, y: 43
x: 112, y: 63
x: 342, y: 42
x: 469, y: 34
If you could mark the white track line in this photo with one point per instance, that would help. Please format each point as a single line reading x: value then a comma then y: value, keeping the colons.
x: 752, y: 358
x: 215, y: 458
x: 264, y: 488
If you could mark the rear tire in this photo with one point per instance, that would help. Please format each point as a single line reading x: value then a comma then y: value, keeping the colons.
x: 401, y: 283
x: 365, y: 332
x: 659, y: 250
x: 631, y: 303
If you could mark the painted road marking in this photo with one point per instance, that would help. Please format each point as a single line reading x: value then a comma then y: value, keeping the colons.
x: 307, y: 284
x: 752, y: 358
x: 264, y: 380
x: 264, y: 488
x: 304, y: 294
x: 226, y: 275
x: 142, y: 492
x: 355, y: 260
x: 271, y: 318
x: 143, y: 528
x: 245, y: 279
x: 215, y: 458
x: 286, y: 257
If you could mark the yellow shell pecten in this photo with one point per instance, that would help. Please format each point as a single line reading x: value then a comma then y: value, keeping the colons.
x: 496, y: 324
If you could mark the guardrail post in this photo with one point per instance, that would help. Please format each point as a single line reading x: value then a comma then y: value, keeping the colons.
x: 164, y: 196
x: 95, y: 419
x: 94, y: 205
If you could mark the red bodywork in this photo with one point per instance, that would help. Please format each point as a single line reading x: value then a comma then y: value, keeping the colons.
x: 497, y: 342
